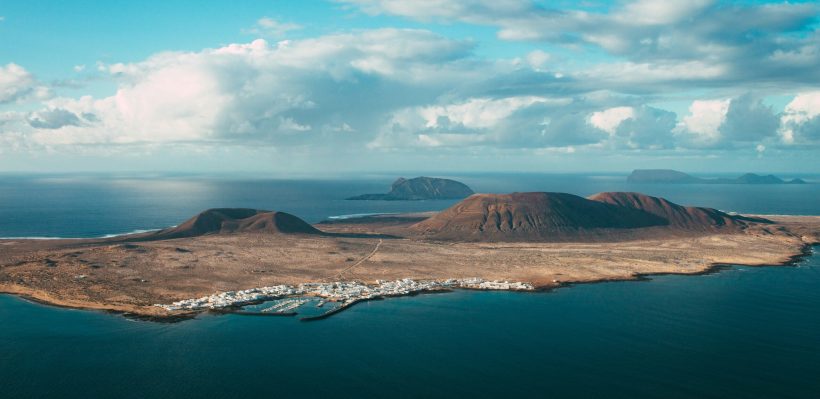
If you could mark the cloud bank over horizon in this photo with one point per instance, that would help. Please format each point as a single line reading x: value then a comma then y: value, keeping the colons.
x: 633, y: 81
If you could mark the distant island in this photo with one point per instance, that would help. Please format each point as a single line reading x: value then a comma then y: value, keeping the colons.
x: 420, y: 188
x: 229, y: 259
x: 677, y: 177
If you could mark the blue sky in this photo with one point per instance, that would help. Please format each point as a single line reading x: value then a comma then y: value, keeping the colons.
x: 319, y: 87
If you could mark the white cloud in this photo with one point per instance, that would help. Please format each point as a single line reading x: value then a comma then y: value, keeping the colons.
x: 648, y: 128
x: 479, y: 113
x: 800, y: 121
x: 636, y: 127
x: 288, y: 124
x: 17, y: 84
x: 656, y: 43
x: 538, y: 59
x: 476, y: 121
x: 803, y: 107
x: 270, y: 28
x: 449, y: 140
x: 608, y: 120
x: 625, y: 74
x: 401, y: 88
x: 726, y: 123
x: 652, y: 12
x: 704, y: 120
x: 476, y: 10
x: 294, y: 92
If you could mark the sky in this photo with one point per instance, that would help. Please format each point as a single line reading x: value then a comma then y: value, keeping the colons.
x: 363, y: 86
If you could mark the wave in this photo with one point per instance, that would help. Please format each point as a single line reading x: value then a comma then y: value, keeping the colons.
x: 357, y: 215
x: 129, y: 233
x: 79, y: 238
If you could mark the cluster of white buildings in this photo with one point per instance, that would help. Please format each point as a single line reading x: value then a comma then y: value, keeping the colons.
x: 343, y: 291
x: 232, y: 298
x: 498, y: 285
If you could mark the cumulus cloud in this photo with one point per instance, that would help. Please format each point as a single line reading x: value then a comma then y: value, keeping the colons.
x: 649, y: 12
x: 392, y: 89
x: 468, y: 122
x: 479, y: 112
x: 673, y: 42
x: 538, y: 59
x: 290, y: 93
x: 17, y: 84
x: 748, y: 119
x: 477, y: 11
x: 800, y: 121
x: 608, y: 120
x: 510, y: 122
x: 726, y: 123
x: 702, y: 125
x: 567, y: 129
x: 637, y: 127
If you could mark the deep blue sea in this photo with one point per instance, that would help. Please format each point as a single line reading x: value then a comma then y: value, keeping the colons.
x: 741, y: 333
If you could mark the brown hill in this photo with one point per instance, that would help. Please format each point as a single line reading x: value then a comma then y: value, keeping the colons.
x: 680, y: 217
x: 567, y: 217
x: 531, y: 217
x: 236, y: 220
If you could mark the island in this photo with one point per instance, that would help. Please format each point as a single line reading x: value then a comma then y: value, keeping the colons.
x: 223, y: 260
x: 420, y: 188
x: 676, y: 177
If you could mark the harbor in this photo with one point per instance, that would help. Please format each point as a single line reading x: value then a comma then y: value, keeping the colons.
x: 287, y: 300
x: 251, y: 313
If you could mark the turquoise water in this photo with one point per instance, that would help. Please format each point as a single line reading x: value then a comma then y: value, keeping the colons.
x: 741, y: 333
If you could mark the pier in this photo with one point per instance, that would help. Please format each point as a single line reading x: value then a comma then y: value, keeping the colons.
x: 335, y: 310
x: 249, y: 313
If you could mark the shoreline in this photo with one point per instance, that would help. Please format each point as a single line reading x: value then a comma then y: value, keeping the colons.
x: 142, y: 313
x: 132, y: 315
x: 715, y: 268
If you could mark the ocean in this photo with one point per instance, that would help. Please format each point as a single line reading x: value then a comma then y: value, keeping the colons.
x: 743, y: 332
x: 97, y: 205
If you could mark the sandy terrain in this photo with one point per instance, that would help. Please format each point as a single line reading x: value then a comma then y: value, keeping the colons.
x: 131, y: 277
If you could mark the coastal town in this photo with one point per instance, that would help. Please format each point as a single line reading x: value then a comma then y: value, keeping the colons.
x: 344, y: 293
